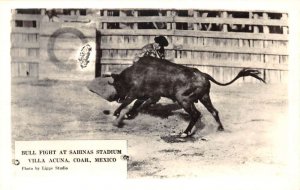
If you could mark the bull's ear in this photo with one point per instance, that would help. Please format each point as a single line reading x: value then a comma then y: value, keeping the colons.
x: 114, y: 76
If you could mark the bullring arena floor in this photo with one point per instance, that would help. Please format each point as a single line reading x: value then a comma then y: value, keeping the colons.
x: 254, y: 117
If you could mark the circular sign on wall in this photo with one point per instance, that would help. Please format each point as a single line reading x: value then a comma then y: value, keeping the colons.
x: 62, y: 47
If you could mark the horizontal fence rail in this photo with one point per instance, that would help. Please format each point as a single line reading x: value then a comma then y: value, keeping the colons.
x: 242, y: 21
x: 190, y: 33
x: 194, y: 48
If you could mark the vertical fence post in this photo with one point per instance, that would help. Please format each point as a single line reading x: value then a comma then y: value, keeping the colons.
x: 174, y: 14
x: 169, y: 14
x: 251, y: 43
x: 224, y: 26
x: 18, y: 64
x: 255, y: 28
x: 173, y: 28
x: 37, y: 75
x: 195, y: 25
x: 285, y: 28
x: 72, y: 12
x: 250, y: 17
x: 135, y: 14
x: 28, y: 73
x: 240, y: 43
x: 266, y: 31
x: 104, y: 26
x: 122, y: 14
x: 43, y: 11
x: 266, y: 28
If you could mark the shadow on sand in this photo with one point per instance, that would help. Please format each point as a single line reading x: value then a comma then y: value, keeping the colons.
x: 163, y: 110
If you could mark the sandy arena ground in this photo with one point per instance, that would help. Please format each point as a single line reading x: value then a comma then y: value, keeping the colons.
x: 254, y: 117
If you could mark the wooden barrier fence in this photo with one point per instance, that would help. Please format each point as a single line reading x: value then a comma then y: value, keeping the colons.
x: 25, y: 46
x: 219, y: 45
x: 219, y: 42
x: 49, y: 49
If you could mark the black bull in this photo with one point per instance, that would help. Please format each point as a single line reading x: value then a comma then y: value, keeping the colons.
x: 150, y: 78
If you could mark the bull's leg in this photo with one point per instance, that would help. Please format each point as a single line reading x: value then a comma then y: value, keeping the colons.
x: 154, y: 101
x: 205, y: 100
x: 134, y: 110
x: 194, y: 114
x: 139, y: 104
x: 148, y: 102
x: 125, y: 103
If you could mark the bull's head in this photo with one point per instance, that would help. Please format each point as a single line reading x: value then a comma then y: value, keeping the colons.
x: 118, y: 85
x: 105, y: 88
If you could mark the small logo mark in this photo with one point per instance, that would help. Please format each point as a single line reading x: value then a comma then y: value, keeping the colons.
x: 16, y: 162
x: 125, y: 157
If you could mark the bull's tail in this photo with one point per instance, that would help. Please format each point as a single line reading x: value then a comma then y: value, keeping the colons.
x: 243, y: 73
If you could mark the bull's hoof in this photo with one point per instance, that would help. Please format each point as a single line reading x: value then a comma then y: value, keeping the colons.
x: 185, y: 135
x: 118, y: 123
x: 116, y: 114
x: 220, y: 129
x: 130, y: 115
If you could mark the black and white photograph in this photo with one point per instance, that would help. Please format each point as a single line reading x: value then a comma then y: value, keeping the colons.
x: 194, y: 92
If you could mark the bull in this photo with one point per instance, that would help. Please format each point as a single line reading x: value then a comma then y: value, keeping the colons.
x: 151, y: 78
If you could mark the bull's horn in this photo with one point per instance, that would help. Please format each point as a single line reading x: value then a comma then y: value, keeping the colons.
x: 106, y: 74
